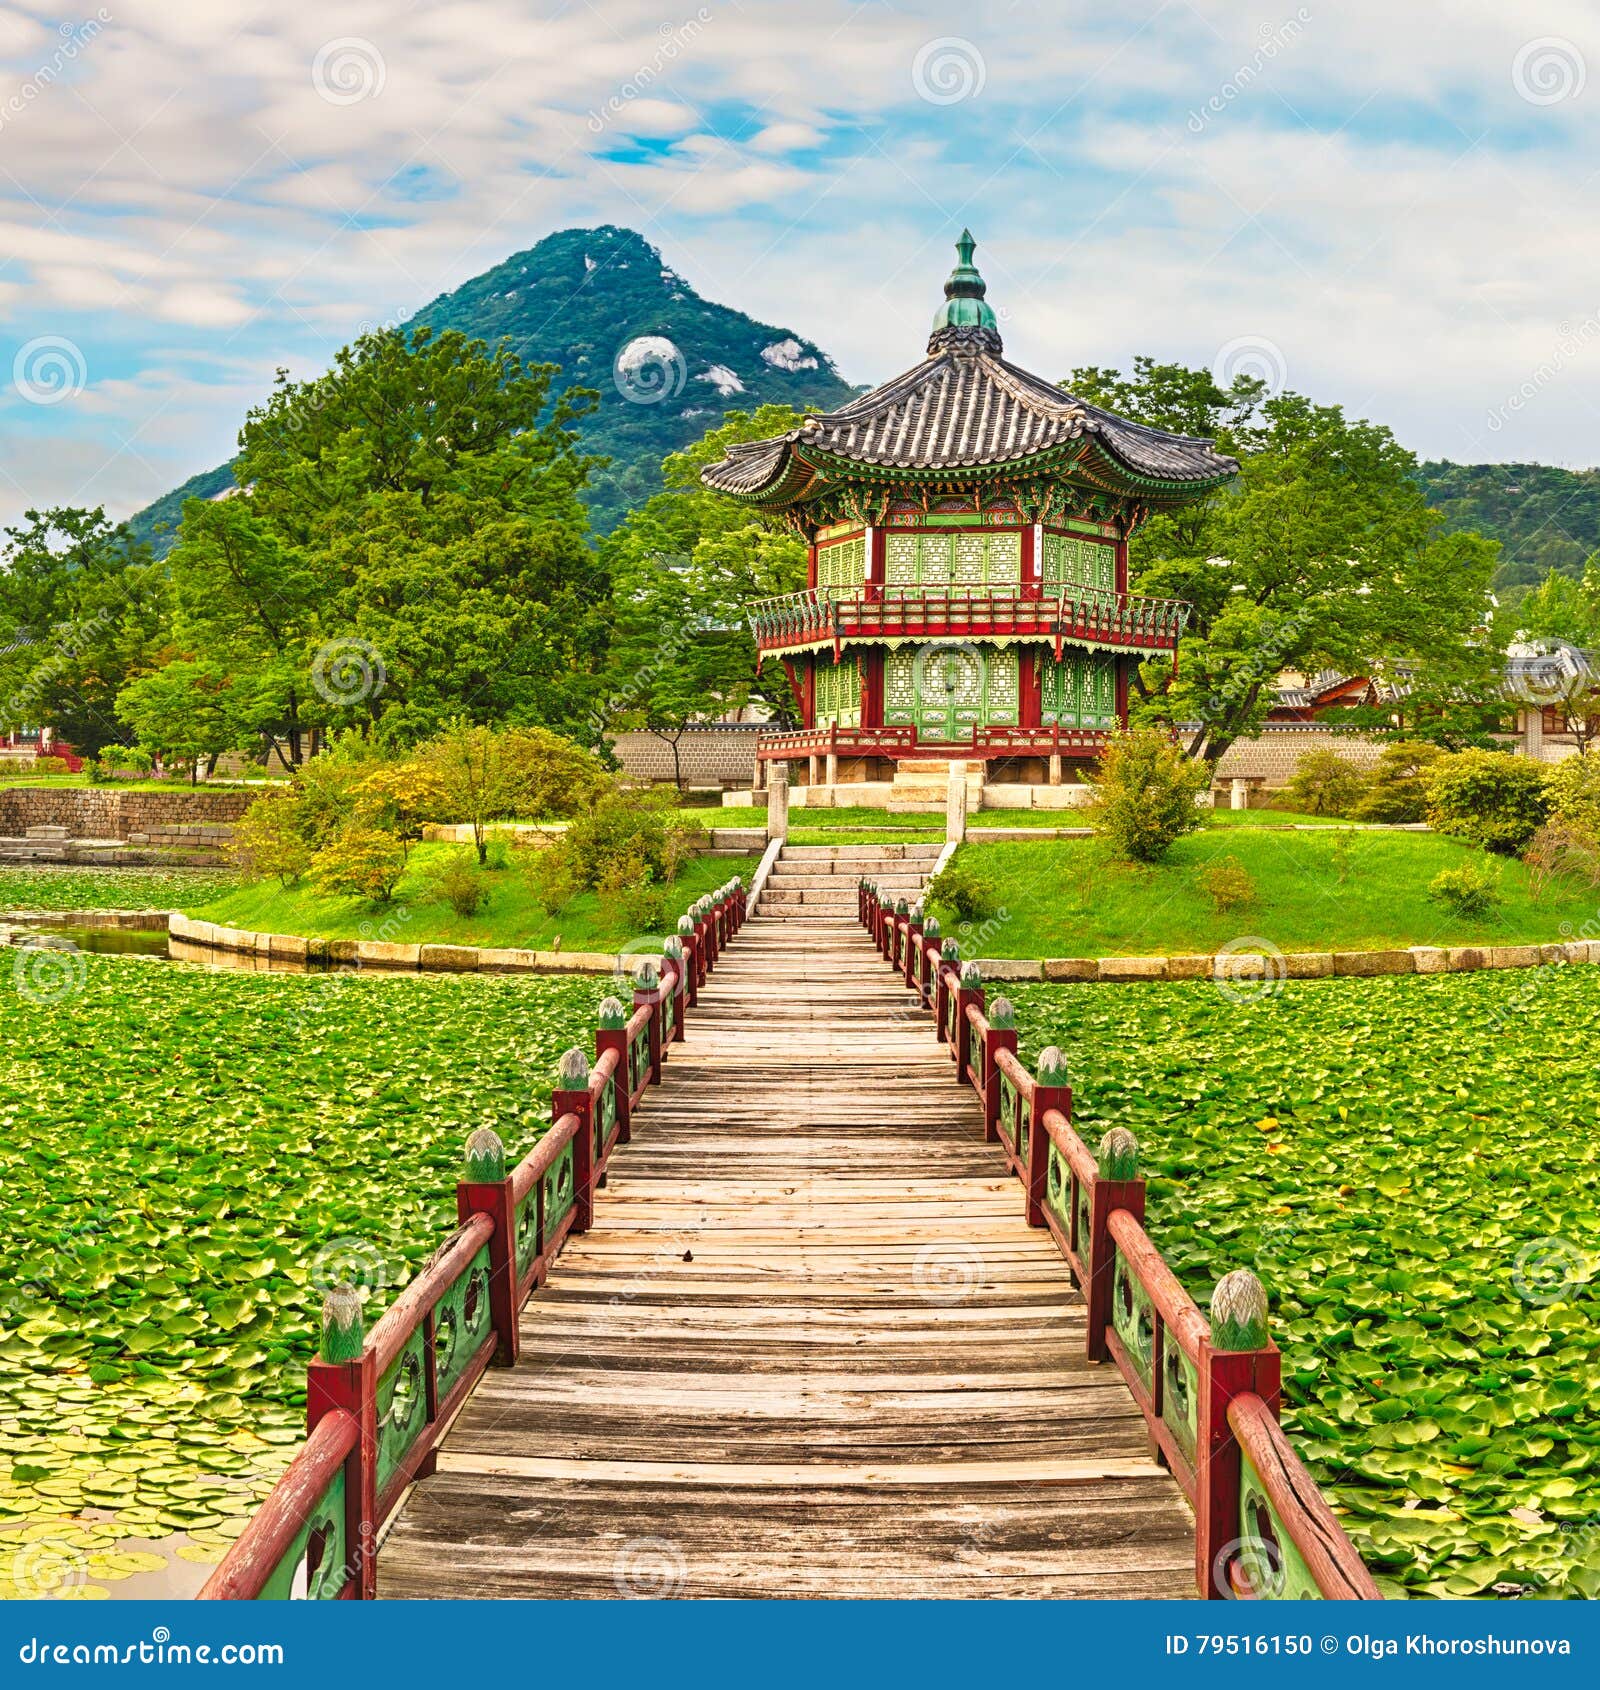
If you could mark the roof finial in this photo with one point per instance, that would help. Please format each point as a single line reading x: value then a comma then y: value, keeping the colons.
x: 965, y: 322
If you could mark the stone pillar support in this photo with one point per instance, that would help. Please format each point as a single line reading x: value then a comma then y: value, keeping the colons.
x: 955, y: 807
x: 778, y: 800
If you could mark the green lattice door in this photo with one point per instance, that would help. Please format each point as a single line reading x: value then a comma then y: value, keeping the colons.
x: 1069, y: 561
x: 970, y: 560
x: 945, y: 690
x: 837, y: 692
x: 1080, y: 691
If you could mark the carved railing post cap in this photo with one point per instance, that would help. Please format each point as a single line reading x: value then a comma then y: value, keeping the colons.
x: 645, y: 971
x: 901, y: 907
x: 685, y: 925
x: 1239, y: 1312
x: 1053, y: 1066
x: 930, y: 927
x: 672, y: 946
x: 1119, y: 1155
x: 485, y: 1159
x: 971, y: 975
x: 612, y: 1013
x: 573, y: 1068
x: 342, y: 1335
x: 952, y: 950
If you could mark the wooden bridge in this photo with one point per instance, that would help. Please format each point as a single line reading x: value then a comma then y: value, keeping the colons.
x: 798, y: 1337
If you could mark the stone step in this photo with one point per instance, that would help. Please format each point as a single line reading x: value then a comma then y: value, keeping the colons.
x: 846, y: 883
x: 919, y: 852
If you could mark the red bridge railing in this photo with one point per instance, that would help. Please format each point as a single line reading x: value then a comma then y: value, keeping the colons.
x: 1208, y: 1388
x: 378, y: 1403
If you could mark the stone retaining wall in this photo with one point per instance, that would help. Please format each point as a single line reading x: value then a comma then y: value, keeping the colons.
x: 1254, y: 970
x: 89, y: 812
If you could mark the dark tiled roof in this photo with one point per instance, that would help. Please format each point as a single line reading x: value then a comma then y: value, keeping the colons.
x: 965, y: 407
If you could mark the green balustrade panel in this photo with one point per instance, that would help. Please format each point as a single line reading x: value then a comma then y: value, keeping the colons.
x: 974, y: 1053
x: 1008, y: 1110
x: 837, y: 692
x: 560, y: 1188
x: 843, y: 566
x: 526, y: 1230
x: 402, y: 1406
x: 638, y: 1058
x: 320, y: 1544
x: 1069, y: 561
x: 1180, y: 1396
x: 1278, y: 1572
x: 1080, y: 691
x: 1084, y: 1239
x: 461, y: 1323
x: 605, y: 1114
x: 1058, y: 1189
x: 1134, y: 1320
x: 950, y: 1008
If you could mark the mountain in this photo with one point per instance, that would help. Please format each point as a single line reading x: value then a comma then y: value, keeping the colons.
x: 602, y: 305
x: 1544, y: 518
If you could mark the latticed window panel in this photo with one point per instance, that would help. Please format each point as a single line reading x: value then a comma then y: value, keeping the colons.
x: 1069, y: 561
x: 844, y: 565
x: 1001, y: 705
x: 838, y: 693
x: 1080, y: 691
x: 963, y: 559
x: 944, y: 690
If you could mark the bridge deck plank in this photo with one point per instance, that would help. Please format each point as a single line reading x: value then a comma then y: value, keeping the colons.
x: 809, y: 1349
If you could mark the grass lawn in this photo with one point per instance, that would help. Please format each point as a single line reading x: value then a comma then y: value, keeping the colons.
x: 189, y: 1159
x: 1327, y: 890
x: 418, y: 916
x: 1411, y: 1167
x: 46, y: 887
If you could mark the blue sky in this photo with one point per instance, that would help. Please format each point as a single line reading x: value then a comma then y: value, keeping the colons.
x: 1385, y: 206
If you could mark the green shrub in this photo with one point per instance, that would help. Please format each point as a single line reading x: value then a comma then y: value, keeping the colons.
x: 550, y: 877
x: 1324, y: 784
x: 1145, y: 795
x: 95, y: 772
x: 1489, y: 798
x: 1561, y: 851
x: 629, y: 828
x: 267, y: 841
x: 1574, y: 787
x: 458, y: 882
x: 497, y: 845
x: 1228, y: 884
x: 361, y: 862
x: 1397, y: 788
x: 962, y: 891
x: 1470, y: 890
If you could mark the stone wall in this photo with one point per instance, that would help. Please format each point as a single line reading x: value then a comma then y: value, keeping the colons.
x: 1271, y: 758
x: 90, y: 812
x: 718, y: 754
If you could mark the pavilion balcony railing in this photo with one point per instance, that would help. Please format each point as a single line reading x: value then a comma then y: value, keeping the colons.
x: 1066, y: 615
x: 982, y: 742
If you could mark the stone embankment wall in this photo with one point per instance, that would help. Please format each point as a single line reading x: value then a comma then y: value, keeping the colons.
x: 89, y: 812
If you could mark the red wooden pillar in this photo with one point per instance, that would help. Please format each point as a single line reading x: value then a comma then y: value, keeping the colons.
x: 612, y: 1035
x: 912, y: 949
x: 995, y: 1040
x: 577, y: 1102
x: 811, y: 564
x: 1045, y: 1098
x: 1030, y: 698
x: 1224, y: 1375
x: 493, y: 1198
x: 353, y: 1386
x: 965, y: 995
x: 1105, y: 1197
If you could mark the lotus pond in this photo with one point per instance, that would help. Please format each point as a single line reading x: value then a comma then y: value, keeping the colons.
x: 1412, y: 1166
x: 188, y: 1158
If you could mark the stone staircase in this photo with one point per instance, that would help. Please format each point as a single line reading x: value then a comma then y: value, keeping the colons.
x: 922, y: 787
x: 818, y: 882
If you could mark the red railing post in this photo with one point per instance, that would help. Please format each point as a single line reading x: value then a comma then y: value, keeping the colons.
x: 691, y: 965
x: 648, y: 993
x: 928, y: 973
x: 571, y: 1097
x: 913, y: 946
x: 969, y: 995
x: 344, y: 1375
x: 1117, y: 1185
x: 1000, y: 1035
x: 1236, y: 1359
x: 485, y: 1189
x: 1050, y: 1091
x: 611, y: 1035
x: 946, y: 974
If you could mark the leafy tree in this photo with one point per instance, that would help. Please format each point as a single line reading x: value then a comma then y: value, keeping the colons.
x: 1324, y: 554
x: 81, y: 606
x: 187, y: 711
x: 686, y: 567
x: 1397, y: 788
x: 1326, y: 784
